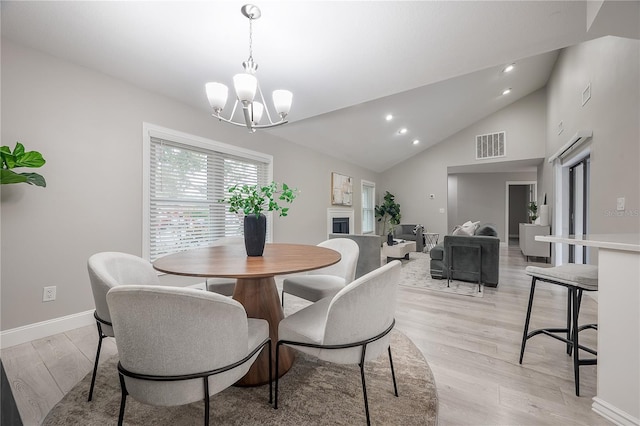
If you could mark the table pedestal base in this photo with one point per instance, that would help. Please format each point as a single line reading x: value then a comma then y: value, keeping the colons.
x: 260, y: 299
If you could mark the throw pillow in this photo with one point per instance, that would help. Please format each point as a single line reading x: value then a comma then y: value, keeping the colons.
x: 462, y: 231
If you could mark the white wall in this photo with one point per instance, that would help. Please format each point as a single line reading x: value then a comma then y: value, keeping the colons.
x: 88, y: 126
x: 412, y: 181
x: 482, y: 197
x: 612, y: 66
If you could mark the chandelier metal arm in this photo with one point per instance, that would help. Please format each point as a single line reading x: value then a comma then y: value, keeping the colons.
x: 251, y: 127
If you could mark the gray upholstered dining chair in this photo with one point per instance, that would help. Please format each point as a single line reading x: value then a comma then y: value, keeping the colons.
x: 168, y: 358
x: 320, y: 283
x: 108, y: 270
x: 224, y: 286
x: 351, y: 327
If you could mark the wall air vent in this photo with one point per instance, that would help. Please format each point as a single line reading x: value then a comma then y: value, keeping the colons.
x: 490, y: 146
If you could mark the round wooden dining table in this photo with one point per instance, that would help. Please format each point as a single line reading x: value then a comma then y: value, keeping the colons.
x: 255, y: 285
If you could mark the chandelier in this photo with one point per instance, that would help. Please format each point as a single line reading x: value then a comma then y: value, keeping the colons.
x: 246, y: 87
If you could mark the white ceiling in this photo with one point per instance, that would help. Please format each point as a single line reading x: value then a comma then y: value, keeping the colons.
x: 435, y: 65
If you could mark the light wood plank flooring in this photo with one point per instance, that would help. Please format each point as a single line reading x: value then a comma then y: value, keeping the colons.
x: 471, y: 344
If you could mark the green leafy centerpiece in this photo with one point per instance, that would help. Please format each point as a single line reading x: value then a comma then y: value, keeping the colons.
x: 252, y: 200
x: 20, y: 158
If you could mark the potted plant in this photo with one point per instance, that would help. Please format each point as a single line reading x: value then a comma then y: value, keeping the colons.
x: 533, y: 211
x: 20, y: 158
x: 252, y: 200
x: 388, y: 212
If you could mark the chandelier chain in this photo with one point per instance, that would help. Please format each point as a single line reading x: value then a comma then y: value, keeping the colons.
x: 251, y: 39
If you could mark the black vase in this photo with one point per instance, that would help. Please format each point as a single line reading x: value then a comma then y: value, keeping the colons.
x: 255, y: 233
x: 389, y: 239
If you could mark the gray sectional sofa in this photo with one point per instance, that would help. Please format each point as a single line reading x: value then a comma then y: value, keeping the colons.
x: 472, y: 255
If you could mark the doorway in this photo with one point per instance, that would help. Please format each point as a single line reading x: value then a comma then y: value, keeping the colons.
x: 578, y: 207
x: 518, y: 196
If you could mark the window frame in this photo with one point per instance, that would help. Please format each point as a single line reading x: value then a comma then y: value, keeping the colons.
x: 366, y: 183
x: 153, y: 131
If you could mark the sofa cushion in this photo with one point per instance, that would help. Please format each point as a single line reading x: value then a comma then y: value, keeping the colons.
x: 487, y: 230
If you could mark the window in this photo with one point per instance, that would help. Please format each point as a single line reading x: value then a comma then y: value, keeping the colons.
x: 184, y: 177
x: 368, y: 205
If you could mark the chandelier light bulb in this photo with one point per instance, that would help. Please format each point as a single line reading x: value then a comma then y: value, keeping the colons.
x: 246, y: 86
x: 389, y: 117
x: 506, y: 91
x: 282, y: 101
x: 217, y: 93
x: 402, y: 131
x: 415, y: 142
x: 509, y: 68
x: 258, y: 109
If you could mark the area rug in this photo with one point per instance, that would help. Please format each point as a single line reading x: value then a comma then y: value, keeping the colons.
x: 416, y: 274
x: 313, y: 392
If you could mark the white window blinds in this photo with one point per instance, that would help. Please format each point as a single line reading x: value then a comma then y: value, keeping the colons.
x: 185, y: 183
x: 368, y: 204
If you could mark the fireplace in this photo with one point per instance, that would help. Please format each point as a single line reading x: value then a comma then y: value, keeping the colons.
x: 340, y: 221
x: 340, y: 225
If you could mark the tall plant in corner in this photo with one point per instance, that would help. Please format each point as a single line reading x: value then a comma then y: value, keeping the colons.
x: 388, y: 212
x: 20, y: 158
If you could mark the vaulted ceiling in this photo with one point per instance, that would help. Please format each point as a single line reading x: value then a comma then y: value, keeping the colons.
x: 435, y: 65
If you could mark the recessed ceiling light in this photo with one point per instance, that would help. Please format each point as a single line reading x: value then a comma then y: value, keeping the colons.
x: 389, y: 117
x: 506, y: 91
x: 415, y: 142
x: 402, y: 131
x: 509, y: 68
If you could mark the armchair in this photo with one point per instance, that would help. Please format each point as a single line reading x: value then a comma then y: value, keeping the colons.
x: 406, y: 232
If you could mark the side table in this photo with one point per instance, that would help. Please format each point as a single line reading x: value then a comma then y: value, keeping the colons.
x: 431, y: 240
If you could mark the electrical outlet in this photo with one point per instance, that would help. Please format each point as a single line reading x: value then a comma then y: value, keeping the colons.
x: 49, y: 293
x: 620, y: 204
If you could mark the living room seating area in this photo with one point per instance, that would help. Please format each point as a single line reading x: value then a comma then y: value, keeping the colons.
x: 467, y: 257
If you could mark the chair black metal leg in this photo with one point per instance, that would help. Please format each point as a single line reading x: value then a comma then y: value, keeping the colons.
x: 393, y: 373
x: 576, y: 361
x: 275, y: 404
x: 528, y: 317
x: 123, y: 400
x: 569, y: 316
x: 270, y: 373
x: 206, y: 401
x: 95, y: 365
x: 282, y: 298
x: 364, y: 384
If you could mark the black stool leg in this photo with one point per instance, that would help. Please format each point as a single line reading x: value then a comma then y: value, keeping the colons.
x: 526, y: 321
x: 576, y: 361
x: 569, y: 316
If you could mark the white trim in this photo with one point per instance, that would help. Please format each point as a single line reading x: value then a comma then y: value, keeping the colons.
x: 39, y: 330
x: 340, y: 212
x: 613, y: 414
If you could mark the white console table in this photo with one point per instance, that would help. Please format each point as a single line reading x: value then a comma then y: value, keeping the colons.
x: 618, y: 393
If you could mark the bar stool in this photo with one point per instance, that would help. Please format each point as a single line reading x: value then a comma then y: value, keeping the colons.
x: 577, y: 278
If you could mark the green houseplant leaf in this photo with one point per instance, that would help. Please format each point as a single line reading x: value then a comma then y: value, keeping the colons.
x: 254, y: 199
x: 20, y: 158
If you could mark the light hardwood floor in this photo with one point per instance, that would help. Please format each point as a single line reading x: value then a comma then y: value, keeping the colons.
x: 471, y: 344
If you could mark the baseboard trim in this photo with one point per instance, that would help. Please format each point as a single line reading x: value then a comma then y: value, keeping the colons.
x: 613, y: 414
x: 39, y: 330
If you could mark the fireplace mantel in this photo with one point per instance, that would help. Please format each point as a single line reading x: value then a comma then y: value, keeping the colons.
x: 340, y: 212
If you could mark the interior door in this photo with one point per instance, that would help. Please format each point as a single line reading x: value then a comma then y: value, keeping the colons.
x: 578, y: 207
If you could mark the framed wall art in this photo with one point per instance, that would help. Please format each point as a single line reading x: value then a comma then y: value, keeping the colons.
x: 341, y: 190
